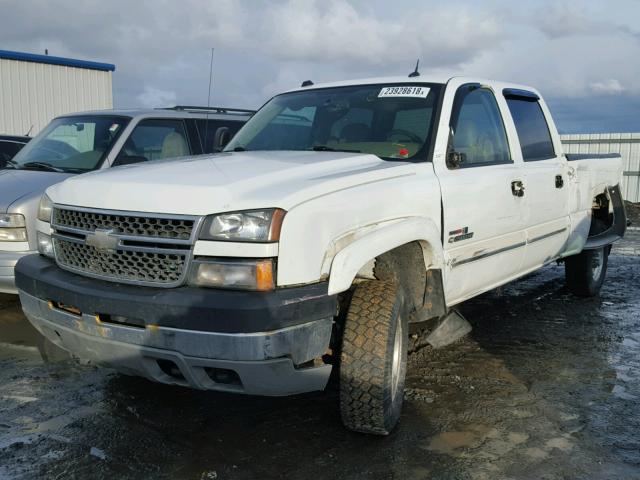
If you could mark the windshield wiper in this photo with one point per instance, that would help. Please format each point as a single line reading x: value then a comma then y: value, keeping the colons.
x: 239, y: 149
x: 324, y: 148
x: 9, y: 164
x: 47, y: 167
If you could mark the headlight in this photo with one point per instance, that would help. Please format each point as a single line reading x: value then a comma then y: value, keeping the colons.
x: 13, y: 234
x: 45, y: 245
x: 12, y: 228
x: 45, y: 208
x: 236, y: 274
x: 11, y: 220
x: 249, y: 226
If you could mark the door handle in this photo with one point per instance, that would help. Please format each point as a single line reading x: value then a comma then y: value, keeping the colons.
x: 517, y: 188
x: 559, y: 181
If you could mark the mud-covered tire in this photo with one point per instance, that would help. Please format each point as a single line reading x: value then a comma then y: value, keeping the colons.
x: 373, y: 361
x: 585, y: 272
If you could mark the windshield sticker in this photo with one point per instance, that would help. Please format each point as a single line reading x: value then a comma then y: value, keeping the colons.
x: 416, y: 92
x: 114, y: 128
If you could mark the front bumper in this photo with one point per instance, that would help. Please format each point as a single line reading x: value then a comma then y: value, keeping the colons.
x: 165, y: 340
x: 8, y: 262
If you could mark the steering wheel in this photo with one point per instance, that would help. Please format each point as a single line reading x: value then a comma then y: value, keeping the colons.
x: 406, y: 133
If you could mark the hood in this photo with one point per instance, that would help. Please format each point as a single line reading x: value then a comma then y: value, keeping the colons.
x: 15, y: 184
x: 223, y: 182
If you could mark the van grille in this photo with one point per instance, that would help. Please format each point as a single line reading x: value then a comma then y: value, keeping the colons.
x: 140, y: 249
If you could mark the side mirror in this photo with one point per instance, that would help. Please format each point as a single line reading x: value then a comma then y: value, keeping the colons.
x: 455, y: 159
x: 221, y: 138
x: 128, y: 160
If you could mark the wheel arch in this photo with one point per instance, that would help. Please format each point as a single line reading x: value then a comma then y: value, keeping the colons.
x: 359, y: 255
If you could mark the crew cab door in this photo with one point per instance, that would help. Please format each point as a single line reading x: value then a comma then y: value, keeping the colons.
x: 546, y: 180
x: 483, y: 206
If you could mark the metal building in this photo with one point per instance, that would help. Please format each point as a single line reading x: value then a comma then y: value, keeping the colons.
x: 36, y: 88
x: 626, y: 144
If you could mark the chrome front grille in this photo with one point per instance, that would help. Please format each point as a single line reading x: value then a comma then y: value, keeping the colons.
x: 124, y: 247
x: 125, y: 224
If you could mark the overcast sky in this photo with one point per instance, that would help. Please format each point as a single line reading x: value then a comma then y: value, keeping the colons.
x: 583, y: 55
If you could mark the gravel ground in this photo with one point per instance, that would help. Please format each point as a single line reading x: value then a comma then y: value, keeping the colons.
x: 545, y: 387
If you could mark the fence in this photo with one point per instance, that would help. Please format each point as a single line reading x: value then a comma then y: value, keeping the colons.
x: 626, y: 144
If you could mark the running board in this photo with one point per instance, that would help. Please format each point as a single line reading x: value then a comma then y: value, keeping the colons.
x: 450, y: 328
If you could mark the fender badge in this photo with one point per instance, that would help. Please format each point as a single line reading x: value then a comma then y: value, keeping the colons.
x: 460, y: 234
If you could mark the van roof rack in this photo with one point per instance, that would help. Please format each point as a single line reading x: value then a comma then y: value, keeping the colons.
x: 193, y: 108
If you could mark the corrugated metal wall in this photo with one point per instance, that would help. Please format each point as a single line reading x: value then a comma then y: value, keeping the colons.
x: 626, y: 144
x: 31, y: 94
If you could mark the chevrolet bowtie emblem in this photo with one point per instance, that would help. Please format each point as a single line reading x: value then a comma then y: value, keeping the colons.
x: 102, y: 239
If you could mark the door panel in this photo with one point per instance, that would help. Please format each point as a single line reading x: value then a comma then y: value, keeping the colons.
x: 547, y: 204
x: 546, y: 177
x: 484, y: 236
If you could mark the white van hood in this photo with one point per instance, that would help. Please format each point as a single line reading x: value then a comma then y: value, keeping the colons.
x: 225, y: 182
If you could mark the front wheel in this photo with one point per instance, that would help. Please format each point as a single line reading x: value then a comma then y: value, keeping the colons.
x: 373, y: 362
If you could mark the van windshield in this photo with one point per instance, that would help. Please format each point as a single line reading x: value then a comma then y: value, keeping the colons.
x: 394, y: 122
x: 71, y: 144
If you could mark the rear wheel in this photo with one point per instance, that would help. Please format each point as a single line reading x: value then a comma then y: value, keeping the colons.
x: 374, y: 358
x: 585, y: 272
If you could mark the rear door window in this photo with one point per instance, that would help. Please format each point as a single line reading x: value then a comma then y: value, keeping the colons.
x: 532, y: 128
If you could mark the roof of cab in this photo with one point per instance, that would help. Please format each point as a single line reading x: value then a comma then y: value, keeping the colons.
x: 163, y: 113
x: 433, y: 79
x: 378, y: 80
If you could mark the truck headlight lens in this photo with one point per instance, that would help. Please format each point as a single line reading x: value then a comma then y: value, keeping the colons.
x: 249, y: 226
x: 13, y: 234
x: 235, y: 274
x: 11, y: 220
x: 45, y: 208
x: 45, y: 245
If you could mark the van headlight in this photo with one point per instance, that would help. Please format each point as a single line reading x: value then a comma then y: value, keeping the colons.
x: 12, y: 227
x: 249, y: 226
x: 45, y: 208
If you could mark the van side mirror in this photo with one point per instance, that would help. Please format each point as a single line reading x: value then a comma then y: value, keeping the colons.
x: 128, y: 160
x: 221, y: 138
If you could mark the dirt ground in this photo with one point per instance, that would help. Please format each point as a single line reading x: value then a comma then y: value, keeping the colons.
x: 547, y: 386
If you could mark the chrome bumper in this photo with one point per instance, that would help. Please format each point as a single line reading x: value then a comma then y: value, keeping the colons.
x: 8, y: 262
x: 264, y: 363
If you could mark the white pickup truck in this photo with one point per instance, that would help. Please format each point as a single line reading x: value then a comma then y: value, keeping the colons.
x: 336, y: 217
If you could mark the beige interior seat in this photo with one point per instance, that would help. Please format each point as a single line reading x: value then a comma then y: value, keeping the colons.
x: 174, y: 145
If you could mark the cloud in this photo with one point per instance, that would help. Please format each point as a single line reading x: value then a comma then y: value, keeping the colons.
x: 335, y: 31
x: 154, y: 97
x: 161, y: 48
x: 607, y: 87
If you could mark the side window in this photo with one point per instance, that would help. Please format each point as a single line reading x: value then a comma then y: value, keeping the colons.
x: 157, y: 139
x: 532, y: 128
x: 479, y: 136
x: 8, y: 150
x: 207, y: 130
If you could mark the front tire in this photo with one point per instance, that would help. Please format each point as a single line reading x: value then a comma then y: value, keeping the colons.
x: 374, y: 358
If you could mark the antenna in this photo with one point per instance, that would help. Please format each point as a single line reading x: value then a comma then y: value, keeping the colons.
x: 206, y: 125
x: 415, y: 73
x: 29, y: 132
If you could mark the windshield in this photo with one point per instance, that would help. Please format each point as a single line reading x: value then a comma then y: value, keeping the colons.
x: 393, y: 122
x: 71, y: 144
